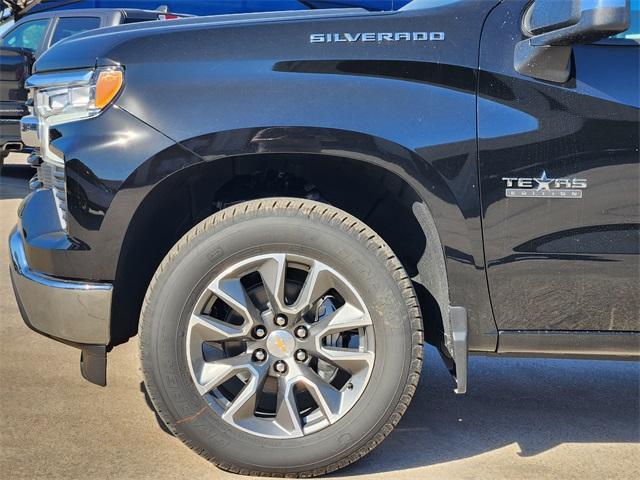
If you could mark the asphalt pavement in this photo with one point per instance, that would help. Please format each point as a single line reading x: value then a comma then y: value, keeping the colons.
x: 522, y: 418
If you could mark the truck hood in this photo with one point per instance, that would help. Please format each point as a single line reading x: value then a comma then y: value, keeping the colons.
x: 91, y: 48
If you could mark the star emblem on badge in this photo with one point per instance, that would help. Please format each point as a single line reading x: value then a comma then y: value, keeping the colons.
x: 543, y: 181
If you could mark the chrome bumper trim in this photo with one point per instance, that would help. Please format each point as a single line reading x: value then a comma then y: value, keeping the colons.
x: 68, y: 310
x: 29, y: 126
x: 57, y: 79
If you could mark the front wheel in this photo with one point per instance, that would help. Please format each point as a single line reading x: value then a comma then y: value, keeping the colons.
x: 281, y: 337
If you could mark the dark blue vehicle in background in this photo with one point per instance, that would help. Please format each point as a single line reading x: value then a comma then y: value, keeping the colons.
x: 217, y: 7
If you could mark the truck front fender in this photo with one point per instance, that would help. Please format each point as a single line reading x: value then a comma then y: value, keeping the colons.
x: 451, y: 267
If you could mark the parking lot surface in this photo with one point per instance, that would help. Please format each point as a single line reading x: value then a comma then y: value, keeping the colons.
x: 522, y: 418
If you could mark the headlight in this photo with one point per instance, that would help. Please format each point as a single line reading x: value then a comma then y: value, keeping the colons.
x: 68, y: 96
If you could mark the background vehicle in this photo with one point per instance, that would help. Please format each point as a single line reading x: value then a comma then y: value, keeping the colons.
x: 290, y: 203
x: 217, y: 7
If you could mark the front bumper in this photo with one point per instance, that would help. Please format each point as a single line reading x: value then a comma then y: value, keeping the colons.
x: 71, y: 311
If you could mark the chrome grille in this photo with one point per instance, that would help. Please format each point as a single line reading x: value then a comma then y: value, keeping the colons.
x: 52, y: 177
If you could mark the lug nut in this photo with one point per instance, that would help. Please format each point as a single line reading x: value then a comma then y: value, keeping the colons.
x: 301, y: 332
x: 301, y: 355
x: 259, y: 331
x: 280, y: 320
x: 259, y: 355
x: 280, y: 366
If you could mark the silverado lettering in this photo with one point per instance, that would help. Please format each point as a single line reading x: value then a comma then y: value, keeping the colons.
x: 376, y: 37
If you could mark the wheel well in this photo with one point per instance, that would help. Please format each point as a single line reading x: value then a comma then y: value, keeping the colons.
x: 368, y: 192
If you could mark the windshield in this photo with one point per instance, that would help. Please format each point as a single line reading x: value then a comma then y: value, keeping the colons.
x: 28, y: 35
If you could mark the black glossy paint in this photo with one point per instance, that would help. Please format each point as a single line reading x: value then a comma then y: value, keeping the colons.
x: 242, y: 80
x: 561, y: 264
x: 251, y: 85
x: 16, y: 63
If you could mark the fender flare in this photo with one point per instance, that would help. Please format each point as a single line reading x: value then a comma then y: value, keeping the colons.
x: 438, y: 204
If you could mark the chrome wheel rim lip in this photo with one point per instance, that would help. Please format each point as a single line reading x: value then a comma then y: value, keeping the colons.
x: 281, y: 343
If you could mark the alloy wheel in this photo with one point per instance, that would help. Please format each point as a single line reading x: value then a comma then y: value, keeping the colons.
x: 280, y: 345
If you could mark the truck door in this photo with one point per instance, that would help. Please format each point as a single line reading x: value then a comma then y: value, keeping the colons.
x: 559, y: 175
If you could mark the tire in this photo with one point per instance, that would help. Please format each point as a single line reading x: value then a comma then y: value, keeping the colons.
x: 354, y: 259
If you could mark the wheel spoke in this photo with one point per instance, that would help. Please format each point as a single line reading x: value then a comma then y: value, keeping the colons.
x: 319, y: 280
x: 327, y: 397
x: 287, y: 416
x: 214, y: 374
x: 232, y: 292
x: 273, y: 272
x: 351, y: 360
x: 209, y: 329
x: 347, y: 317
x: 243, y: 406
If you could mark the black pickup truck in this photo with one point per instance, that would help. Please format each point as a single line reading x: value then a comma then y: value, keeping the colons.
x: 29, y: 38
x: 286, y: 205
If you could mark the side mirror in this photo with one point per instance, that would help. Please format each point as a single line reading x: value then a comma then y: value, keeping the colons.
x: 554, y: 25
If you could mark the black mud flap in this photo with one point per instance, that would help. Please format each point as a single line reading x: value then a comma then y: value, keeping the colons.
x: 93, y: 364
x: 456, y: 361
x: 458, y: 317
